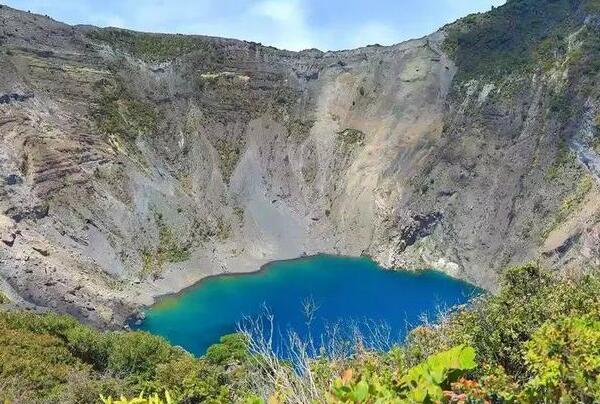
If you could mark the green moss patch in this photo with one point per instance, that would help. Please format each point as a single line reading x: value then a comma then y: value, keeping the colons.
x: 564, y: 161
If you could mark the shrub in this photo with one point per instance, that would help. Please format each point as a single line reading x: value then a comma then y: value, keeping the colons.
x: 138, y: 354
x: 564, y: 361
x: 537, y: 340
x: 423, y: 383
x: 88, y: 345
x: 141, y: 399
x: 153, y: 47
x: 426, y: 381
x: 231, y: 348
x: 498, y: 326
x: 193, y: 380
x: 36, y: 364
x: 119, y: 114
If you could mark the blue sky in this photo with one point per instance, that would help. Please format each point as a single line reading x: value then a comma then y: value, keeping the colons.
x: 289, y: 24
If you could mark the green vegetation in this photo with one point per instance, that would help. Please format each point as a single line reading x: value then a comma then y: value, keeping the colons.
x: 141, y: 399
x: 565, y: 358
x: 229, y: 155
x: 223, y: 229
x: 122, y: 118
x: 152, y: 47
x: 239, y: 213
x: 169, y: 249
x: 560, y: 106
x: 596, y: 141
x: 529, y: 340
x: 592, y: 6
x: 565, y: 160
x: 425, y: 381
x: 571, y: 202
x: 521, y: 36
x: 351, y: 137
x: 3, y: 298
x: 536, y: 340
x: 421, y: 384
x: 51, y: 358
x: 120, y: 115
x: 299, y: 129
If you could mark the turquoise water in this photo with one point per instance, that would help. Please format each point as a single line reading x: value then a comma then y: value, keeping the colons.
x: 344, y: 289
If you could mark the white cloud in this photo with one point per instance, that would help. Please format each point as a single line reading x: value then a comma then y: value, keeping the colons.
x: 374, y: 32
x: 281, y: 11
x: 286, y: 23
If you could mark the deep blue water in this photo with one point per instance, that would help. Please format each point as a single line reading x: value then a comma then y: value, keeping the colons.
x: 344, y: 289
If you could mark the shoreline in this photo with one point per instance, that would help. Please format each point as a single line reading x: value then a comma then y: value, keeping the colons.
x: 139, y: 314
x: 263, y: 268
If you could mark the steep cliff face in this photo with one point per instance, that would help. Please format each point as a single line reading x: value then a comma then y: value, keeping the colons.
x: 135, y: 164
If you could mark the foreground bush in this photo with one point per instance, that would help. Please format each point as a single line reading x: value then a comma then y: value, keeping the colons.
x: 564, y: 361
x: 52, y: 358
x: 426, y: 382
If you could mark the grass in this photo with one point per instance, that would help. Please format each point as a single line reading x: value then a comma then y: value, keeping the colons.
x: 3, y: 298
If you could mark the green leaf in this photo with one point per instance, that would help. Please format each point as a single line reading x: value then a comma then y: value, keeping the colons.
x: 360, y: 391
x: 438, y: 374
x: 467, y: 358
